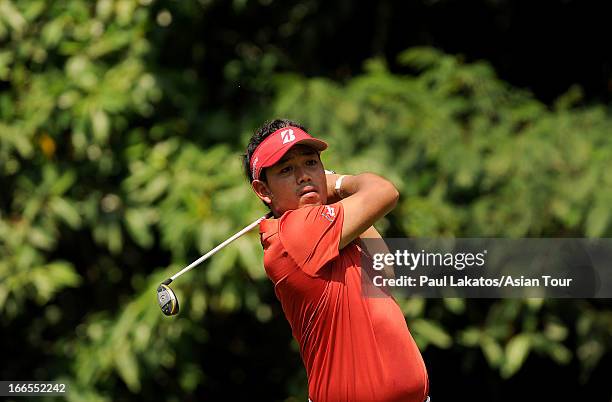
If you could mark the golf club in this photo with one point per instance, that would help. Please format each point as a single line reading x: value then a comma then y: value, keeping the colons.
x: 166, y: 297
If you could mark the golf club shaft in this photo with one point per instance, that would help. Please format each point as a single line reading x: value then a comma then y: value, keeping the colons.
x: 214, y: 250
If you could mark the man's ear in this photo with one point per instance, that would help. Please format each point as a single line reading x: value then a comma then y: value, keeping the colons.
x: 262, y: 191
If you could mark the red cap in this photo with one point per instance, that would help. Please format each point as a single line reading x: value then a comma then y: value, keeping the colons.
x: 272, y: 149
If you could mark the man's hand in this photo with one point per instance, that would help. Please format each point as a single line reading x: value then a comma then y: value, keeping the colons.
x: 332, y: 196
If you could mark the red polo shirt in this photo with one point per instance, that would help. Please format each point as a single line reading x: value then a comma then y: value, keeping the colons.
x: 355, y: 348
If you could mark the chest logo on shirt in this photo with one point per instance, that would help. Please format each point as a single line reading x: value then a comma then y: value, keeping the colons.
x: 329, y: 213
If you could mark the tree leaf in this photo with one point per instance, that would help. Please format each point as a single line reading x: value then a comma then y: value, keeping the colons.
x: 517, y: 351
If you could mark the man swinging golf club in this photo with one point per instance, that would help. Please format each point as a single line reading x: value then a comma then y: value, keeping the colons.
x: 354, y: 348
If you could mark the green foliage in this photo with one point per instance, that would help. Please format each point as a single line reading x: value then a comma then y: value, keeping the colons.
x: 104, y: 195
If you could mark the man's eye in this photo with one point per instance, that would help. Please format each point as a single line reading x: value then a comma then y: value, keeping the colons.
x: 286, y: 169
x: 312, y: 162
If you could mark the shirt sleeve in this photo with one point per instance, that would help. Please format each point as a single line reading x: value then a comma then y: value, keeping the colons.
x: 311, y: 235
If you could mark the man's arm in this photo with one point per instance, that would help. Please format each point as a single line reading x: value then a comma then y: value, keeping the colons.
x: 365, y: 198
x: 377, y: 247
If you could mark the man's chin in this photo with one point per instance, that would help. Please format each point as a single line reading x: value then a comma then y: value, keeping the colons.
x: 309, y: 200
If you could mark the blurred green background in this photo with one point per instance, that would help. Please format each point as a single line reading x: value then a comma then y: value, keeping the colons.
x: 121, y: 128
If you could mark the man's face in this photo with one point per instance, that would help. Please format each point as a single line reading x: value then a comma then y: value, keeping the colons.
x: 297, y: 180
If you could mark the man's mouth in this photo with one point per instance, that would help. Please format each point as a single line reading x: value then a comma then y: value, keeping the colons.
x: 306, y: 190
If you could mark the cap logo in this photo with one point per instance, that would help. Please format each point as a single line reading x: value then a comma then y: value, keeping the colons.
x: 287, y: 136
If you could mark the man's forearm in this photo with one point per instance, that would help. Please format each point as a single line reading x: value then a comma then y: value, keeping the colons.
x: 351, y: 184
x: 366, y: 198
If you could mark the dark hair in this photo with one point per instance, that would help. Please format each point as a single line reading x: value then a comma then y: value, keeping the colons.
x: 261, y: 134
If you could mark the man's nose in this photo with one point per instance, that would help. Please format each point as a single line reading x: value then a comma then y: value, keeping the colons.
x: 302, y: 175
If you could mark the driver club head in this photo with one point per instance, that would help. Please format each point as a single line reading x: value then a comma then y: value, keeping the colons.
x: 165, y: 296
x: 167, y: 300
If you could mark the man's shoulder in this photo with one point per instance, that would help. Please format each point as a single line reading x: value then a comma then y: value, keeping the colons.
x: 297, y: 224
x: 311, y: 214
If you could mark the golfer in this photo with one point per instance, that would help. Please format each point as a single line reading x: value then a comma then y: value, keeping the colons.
x: 354, y: 348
